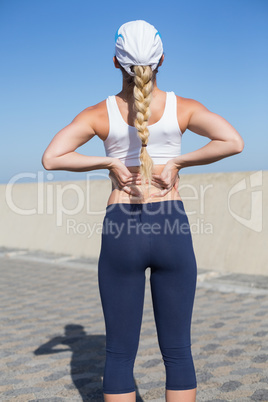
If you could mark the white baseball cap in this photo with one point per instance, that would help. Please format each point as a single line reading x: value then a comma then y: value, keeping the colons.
x: 138, y: 43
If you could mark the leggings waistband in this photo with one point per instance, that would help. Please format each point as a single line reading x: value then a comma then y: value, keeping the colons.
x: 158, y: 206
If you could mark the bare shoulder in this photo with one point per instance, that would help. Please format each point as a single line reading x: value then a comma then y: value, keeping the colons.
x: 185, y: 109
x: 189, y: 104
x: 96, y: 117
x: 92, y: 112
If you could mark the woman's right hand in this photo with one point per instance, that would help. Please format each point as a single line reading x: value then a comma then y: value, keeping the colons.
x: 123, y: 179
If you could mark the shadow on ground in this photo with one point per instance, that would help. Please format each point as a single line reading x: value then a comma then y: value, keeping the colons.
x: 87, y: 361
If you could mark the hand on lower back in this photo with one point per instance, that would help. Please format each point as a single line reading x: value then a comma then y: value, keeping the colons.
x: 168, y: 179
x: 123, y: 179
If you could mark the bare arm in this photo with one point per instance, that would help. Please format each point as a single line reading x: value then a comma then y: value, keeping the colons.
x: 225, y: 140
x: 60, y: 153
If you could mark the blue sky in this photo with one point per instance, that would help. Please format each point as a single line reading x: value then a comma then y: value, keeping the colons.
x: 57, y: 60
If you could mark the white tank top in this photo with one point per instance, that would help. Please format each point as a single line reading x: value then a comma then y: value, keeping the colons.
x: 123, y: 142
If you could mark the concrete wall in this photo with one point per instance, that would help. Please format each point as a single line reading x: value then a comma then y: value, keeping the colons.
x: 226, y: 212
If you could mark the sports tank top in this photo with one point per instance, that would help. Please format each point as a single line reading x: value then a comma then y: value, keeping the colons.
x: 123, y: 142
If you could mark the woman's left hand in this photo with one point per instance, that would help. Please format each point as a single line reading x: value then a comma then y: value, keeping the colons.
x: 168, y: 179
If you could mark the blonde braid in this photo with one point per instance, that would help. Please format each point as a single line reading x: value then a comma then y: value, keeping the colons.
x: 143, y: 95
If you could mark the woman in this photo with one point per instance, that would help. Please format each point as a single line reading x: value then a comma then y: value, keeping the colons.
x: 142, y: 128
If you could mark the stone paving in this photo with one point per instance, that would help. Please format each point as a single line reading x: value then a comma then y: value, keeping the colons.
x: 53, y: 336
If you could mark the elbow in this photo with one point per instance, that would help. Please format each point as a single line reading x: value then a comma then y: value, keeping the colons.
x: 238, y: 146
x: 47, y: 162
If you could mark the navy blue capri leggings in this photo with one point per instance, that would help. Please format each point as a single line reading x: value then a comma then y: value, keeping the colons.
x: 135, y: 237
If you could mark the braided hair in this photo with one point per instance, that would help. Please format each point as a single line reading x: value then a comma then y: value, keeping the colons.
x: 143, y: 95
x: 142, y: 86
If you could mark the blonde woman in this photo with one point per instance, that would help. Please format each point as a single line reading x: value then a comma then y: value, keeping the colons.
x: 145, y: 225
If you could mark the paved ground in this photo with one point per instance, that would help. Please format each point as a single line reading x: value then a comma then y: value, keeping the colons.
x: 53, y: 336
